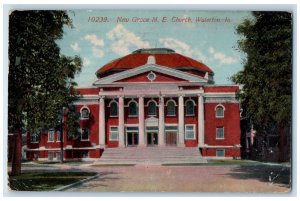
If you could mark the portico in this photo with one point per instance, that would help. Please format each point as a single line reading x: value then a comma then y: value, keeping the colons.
x: 151, y: 129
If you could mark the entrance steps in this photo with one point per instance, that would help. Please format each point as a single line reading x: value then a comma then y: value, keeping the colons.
x: 151, y: 155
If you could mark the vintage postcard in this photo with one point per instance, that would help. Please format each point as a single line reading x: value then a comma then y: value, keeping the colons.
x: 150, y: 101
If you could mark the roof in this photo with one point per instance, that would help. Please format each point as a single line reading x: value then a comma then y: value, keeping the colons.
x: 163, y: 57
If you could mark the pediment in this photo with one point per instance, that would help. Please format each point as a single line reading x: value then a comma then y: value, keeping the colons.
x: 143, y: 73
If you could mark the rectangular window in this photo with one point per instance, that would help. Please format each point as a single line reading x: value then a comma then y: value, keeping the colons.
x: 220, y: 153
x: 114, y: 133
x: 51, y: 135
x: 58, y: 156
x: 152, y: 128
x: 220, y: 133
x: 85, y: 154
x: 171, y: 128
x: 34, y: 138
x: 50, y: 155
x: 58, y: 136
x: 190, y: 132
x: 132, y: 129
x: 84, y: 134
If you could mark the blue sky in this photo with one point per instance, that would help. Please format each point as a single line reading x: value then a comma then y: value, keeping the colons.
x: 211, y: 40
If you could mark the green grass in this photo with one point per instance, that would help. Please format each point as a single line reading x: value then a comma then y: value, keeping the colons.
x: 45, y: 181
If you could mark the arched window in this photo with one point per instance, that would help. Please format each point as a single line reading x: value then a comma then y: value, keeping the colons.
x: 171, y: 108
x: 189, y: 108
x: 152, y: 108
x: 84, y: 113
x: 220, y: 111
x: 113, y: 109
x: 132, y: 108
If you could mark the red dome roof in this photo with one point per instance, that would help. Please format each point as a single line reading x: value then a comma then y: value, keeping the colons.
x: 163, y: 57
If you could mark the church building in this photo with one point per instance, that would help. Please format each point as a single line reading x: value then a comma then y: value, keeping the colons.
x: 150, y: 98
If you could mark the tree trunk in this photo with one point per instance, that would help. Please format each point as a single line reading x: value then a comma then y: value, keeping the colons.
x: 281, y: 145
x: 17, y: 155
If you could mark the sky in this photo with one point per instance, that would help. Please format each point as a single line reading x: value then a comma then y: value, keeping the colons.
x: 100, y: 36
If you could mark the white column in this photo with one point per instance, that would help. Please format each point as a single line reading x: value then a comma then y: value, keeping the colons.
x: 102, y: 122
x: 161, y: 129
x: 200, y: 121
x: 180, y: 121
x: 141, y: 122
x: 121, y: 121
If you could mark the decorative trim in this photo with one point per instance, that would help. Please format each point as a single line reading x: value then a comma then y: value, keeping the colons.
x: 150, y: 67
x: 82, y: 108
x: 113, y: 101
x: 132, y: 100
x: 189, y: 99
x: 237, y: 146
x: 172, y: 100
x: 149, y: 76
x: 151, y: 100
x: 221, y: 100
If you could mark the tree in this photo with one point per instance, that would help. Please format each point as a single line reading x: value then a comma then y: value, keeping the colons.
x: 266, y: 96
x: 40, y: 78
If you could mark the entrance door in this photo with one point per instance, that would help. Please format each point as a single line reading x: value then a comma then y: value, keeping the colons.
x: 171, y: 138
x: 152, y: 138
x: 132, y: 139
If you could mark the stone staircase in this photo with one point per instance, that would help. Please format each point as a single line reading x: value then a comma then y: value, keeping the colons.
x: 151, y: 155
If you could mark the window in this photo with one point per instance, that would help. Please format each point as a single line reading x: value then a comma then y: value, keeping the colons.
x: 84, y: 134
x: 132, y: 129
x: 220, y: 133
x: 220, y: 111
x: 151, y: 76
x: 85, y: 154
x: 151, y: 129
x: 114, y: 133
x: 113, y: 109
x: 220, y: 153
x: 34, y: 138
x: 51, y: 135
x: 152, y: 108
x: 58, y: 156
x: 58, y: 136
x: 171, y: 108
x: 190, y: 132
x: 85, y: 113
x: 50, y: 155
x: 171, y: 128
x: 132, y: 109
x: 189, y: 108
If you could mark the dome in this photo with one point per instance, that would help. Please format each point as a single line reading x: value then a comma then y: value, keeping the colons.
x: 161, y: 56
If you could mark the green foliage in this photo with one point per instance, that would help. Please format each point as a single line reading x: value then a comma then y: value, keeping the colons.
x: 40, y: 78
x: 73, y: 122
x: 45, y: 181
x: 267, y: 75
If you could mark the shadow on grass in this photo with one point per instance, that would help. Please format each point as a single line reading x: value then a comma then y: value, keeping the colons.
x: 45, y: 181
x: 264, y: 173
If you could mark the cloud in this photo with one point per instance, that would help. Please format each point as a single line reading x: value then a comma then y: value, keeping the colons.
x: 182, y: 48
x: 222, y: 58
x: 86, y: 61
x: 124, y: 40
x: 92, y: 38
x: 75, y: 47
x: 98, y: 52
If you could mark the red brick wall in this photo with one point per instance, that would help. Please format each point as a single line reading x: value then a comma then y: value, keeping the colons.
x: 230, y: 122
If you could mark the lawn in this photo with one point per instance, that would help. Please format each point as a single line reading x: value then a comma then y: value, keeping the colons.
x: 45, y: 181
